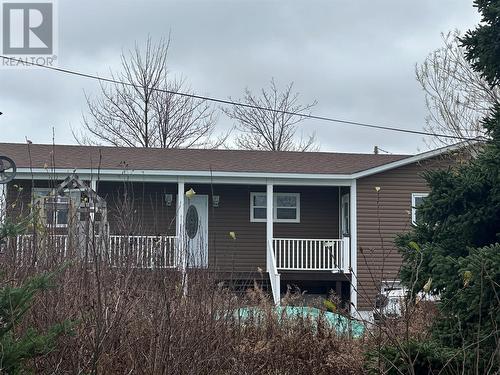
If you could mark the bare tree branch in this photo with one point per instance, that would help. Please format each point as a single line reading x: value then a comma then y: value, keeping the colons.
x: 141, y: 113
x: 456, y: 96
x: 271, y: 130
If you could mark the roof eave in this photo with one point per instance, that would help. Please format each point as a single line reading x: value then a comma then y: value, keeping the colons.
x: 409, y: 160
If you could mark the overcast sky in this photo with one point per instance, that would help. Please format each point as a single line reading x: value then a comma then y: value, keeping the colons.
x: 356, y: 58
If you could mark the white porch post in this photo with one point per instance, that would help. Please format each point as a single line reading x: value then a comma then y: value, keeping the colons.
x: 269, y: 224
x: 179, y: 231
x: 353, y: 211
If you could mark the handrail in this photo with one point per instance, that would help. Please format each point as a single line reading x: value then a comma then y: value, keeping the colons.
x: 311, y: 254
x: 139, y: 236
x: 307, y: 239
x: 274, y: 276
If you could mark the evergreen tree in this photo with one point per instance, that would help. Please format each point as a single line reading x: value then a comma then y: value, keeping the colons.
x: 459, y: 232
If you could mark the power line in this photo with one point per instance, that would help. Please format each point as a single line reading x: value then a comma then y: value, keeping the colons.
x: 233, y: 103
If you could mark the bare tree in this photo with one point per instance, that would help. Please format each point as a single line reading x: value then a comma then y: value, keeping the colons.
x: 274, y: 129
x: 456, y: 96
x: 149, y: 108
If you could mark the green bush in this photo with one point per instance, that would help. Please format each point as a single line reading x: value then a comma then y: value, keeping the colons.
x: 427, y: 357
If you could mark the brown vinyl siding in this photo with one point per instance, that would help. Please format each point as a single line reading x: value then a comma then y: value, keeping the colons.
x: 380, y: 218
x: 139, y: 208
x: 318, y: 219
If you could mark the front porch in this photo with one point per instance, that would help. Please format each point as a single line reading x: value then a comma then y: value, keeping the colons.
x: 292, y: 254
x: 239, y: 227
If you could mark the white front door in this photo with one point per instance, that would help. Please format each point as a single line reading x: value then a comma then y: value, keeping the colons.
x: 344, y: 215
x: 196, y: 230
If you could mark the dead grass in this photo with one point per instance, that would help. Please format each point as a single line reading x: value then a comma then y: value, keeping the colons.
x: 139, y: 322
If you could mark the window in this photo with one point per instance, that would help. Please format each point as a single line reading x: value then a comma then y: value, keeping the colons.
x: 56, y: 211
x: 56, y: 208
x: 258, y: 206
x: 286, y: 207
x: 390, y: 285
x: 416, y: 200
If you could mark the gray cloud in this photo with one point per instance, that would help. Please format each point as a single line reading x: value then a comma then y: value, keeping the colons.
x: 355, y: 58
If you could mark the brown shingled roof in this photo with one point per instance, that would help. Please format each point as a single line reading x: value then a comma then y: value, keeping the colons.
x: 80, y: 157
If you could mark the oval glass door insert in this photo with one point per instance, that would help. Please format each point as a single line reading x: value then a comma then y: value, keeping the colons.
x: 192, y: 221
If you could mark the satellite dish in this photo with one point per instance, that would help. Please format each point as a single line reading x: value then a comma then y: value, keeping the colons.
x: 7, y: 169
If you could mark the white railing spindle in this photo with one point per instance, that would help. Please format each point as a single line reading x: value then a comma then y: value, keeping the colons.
x: 309, y: 254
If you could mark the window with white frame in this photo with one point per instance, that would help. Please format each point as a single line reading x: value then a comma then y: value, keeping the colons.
x: 390, y: 285
x: 286, y: 207
x: 55, y: 208
x: 416, y: 201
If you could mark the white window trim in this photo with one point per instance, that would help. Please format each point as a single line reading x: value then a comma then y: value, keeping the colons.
x: 413, y: 208
x: 275, y: 208
x: 46, y: 191
x: 57, y: 225
x: 389, y: 285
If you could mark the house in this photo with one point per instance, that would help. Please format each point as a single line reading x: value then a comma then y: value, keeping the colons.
x: 323, y: 221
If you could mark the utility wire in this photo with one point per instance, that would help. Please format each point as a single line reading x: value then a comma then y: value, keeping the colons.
x: 233, y: 103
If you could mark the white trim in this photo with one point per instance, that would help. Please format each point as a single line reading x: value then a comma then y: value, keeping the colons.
x: 413, y: 207
x: 41, y: 173
x: 408, y: 160
x: 388, y: 285
x: 269, y: 225
x: 179, y: 227
x: 237, y: 179
x: 93, y: 183
x: 354, y: 246
x: 275, y: 207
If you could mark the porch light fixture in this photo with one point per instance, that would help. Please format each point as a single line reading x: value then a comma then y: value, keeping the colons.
x: 169, y: 198
x: 215, y: 200
x: 190, y: 193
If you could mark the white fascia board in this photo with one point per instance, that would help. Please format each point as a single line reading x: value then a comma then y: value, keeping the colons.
x: 408, y: 160
x: 189, y: 176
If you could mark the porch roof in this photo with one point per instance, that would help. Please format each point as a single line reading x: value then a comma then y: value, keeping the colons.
x: 120, y: 158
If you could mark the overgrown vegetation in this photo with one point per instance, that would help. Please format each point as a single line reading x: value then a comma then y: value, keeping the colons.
x: 139, y: 321
x: 19, y: 343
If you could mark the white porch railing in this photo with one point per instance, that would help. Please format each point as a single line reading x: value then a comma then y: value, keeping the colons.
x: 143, y: 251
x: 274, y: 276
x: 303, y: 254
x: 120, y: 251
x: 26, y: 251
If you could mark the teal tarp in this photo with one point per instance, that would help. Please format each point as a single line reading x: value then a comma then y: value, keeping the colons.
x: 339, y: 322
